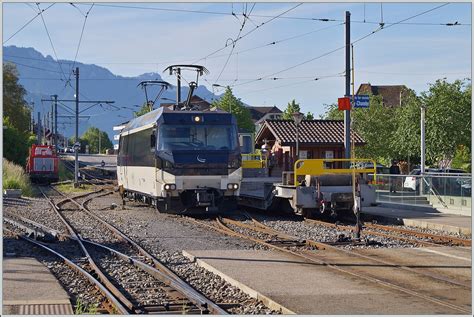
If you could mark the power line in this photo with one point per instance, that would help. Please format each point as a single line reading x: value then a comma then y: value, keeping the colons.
x: 413, y: 74
x: 80, y: 39
x: 27, y: 23
x: 294, y: 66
x: 294, y: 84
x: 267, y: 16
x: 80, y: 11
x: 233, y: 42
x: 249, y: 32
x: 215, y: 56
x: 39, y: 68
x: 383, y: 27
x: 51, y: 41
x: 138, y: 79
x: 342, y: 47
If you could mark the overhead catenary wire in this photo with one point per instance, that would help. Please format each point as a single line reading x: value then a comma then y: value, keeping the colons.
x: 274, y: 42
x: 292, y: 84
x: 77, y: 8
x: 34, y: 67
x: 319, y: 19
x: 233, y: 42
x: 27, y: 23
x: 384, y: 27
x: 246, y: 34
x: 80, y: 39
x: 342, y: 47
x: 51, y: 41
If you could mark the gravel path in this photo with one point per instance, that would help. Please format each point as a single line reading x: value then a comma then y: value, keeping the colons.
x: 78, y: 287
x: 166, y: 236
x: 36, y: 209
x: 321, y: 233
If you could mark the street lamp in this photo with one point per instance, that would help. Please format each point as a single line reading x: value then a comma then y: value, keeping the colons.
x: 297, y: 117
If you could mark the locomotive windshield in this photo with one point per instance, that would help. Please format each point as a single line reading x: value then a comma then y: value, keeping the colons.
x: 197, y: 137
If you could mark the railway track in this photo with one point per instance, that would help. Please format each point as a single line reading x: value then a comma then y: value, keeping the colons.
x: 356, y: 265
x: 414, y: 236
x: 89, y: 176
x: 108, y: 262
x: 109, y: 303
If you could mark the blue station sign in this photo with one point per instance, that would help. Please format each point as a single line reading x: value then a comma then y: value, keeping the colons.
x: 361, y: 101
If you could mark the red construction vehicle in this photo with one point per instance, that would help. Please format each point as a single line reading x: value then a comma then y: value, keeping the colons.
x: 42, y: 165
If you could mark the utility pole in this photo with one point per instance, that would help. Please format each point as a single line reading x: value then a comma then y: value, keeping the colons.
x: 76, y: 115
x: 76, y: 139
x: 347, y: 113
x: 38, y: 129
x: 99, y: 141
x: 178, y: 87
x: 52, y: 124
x: 55, y: 131
x: 423, y: 149
x: 44, y: 127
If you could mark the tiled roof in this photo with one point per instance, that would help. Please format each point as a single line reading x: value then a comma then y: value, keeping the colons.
x: 390, y: 94
x: 310, y: 131
x: 260, y: 111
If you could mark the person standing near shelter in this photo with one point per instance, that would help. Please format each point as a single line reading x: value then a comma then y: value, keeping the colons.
x: 394, y: 170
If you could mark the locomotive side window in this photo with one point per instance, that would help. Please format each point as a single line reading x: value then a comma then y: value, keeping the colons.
x: 153, y: 140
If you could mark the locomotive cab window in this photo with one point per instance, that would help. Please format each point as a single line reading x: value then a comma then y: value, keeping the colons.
x: 199, y: 137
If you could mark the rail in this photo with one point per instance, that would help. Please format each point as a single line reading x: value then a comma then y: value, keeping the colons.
x: 316, y: 167
x: 222, y: 226
x: 172, y: 279
x: 113, y: 305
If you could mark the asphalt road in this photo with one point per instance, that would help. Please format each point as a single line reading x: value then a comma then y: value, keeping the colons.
x: 95, y: 159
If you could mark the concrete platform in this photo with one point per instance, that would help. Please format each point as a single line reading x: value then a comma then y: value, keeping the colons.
x: 30, y: 288
x: 420, y: 218
x: 288, y: 283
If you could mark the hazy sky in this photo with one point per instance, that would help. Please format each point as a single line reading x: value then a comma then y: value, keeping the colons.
x: 131, y: 41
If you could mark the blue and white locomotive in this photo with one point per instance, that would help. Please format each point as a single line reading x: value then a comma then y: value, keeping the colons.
x: 181, y: 161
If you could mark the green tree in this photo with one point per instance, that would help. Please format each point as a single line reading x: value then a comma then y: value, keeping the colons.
x: 91, y: 137
x: 332, y: 113
x: 16, y: 117
x: 14, y: 106
x: 291, y: 108
x: 405, y: 140
x: 448, y: 118
x: 232, y: 104
x: 143, y: 110
x: 15, y: 143
x: 462, y: 158
x: 309, y: 116
x: 375, y: 125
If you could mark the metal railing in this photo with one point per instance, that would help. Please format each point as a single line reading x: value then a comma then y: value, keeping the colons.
x: 315, y: 167
x: 451, y: 191
x: 255, y: 160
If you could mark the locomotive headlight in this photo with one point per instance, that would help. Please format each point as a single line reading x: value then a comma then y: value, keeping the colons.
x: 169, y: 187
x: 197, y: 119
x: 232, y: 186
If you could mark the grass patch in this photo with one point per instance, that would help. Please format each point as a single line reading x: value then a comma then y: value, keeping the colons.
x: 64, y: 173
x: 84, y: 309
x: 15, y: 177
x: 69, y: 188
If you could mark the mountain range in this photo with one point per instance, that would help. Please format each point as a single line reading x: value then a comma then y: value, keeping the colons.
x: 43, y: 76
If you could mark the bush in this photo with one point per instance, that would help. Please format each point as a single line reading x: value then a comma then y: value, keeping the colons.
x: 15, y: 144
x: 15, y: 177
